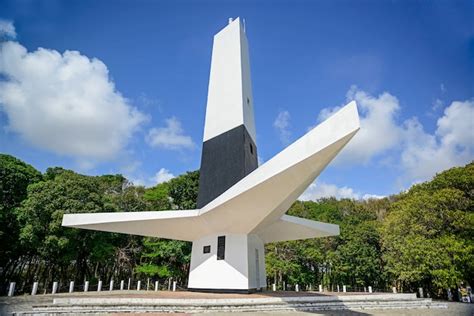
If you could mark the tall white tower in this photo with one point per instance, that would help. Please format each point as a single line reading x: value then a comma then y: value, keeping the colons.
x: 229, y: 150
x: 241, y: 206
x: 229, y: 153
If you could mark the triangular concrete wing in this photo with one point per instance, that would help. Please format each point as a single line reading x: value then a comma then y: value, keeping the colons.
x: 264, y: 195
x: 293, y: 228
x: 180, y: 225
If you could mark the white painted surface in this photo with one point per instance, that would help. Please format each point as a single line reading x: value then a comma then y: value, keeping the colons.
x: 55, y: 288
x: 209, y: 273
x: 34, y: 290
x: 254, y: 205
x: 256, y: 273
x: 294, y: 228
x: 251, y: 212
x: 71, y: 286
x: 238, y: 270
x: 229, y: 84
x: 11, y: 289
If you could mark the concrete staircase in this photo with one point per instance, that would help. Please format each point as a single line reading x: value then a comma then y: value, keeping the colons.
x: 104, y: 305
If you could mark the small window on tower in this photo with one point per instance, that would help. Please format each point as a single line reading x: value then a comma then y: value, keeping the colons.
x: 206, y: 249
x: 251, y: 149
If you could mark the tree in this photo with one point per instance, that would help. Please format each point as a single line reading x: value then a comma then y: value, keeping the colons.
x: 45, y: 240
x: 183, y: 190
x: 428, y: 234
x: 169, y: 258
x: 15, y: 177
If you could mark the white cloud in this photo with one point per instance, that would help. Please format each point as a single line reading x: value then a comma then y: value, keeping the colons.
x: 65, y: 103
x: 170, y: 137
x: 7, y: 29
x: 162, y: 175
x: 452, y: 144
x: 372, y: 197
x: 419, y: 155
x: 318, y: 190
x: 378, y: 127
x: 282, y: 124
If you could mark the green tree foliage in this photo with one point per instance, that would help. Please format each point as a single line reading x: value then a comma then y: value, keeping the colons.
x: 428, y: 234
x: 422, y: 237
x: 40, y: 216
x: 158, y: 197
x: 163, y: 258
x: 353, y: 258
x: 15, y: 176
x: 183, y: 190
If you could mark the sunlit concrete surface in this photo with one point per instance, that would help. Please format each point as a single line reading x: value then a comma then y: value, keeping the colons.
x: 23, y: 305
x: 239, y: 202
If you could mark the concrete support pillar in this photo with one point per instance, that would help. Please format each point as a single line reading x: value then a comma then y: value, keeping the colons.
x: 55, y: 288
x: 394, y: 290
x: 121, y: 285
x: 148, y: 284
x: 129, y: 281
x: 169, y: 284
x: 338, y: 287
x: 344, y: 289
x: 11, y: 289
x: 365, y: 289
x: 111, y: 285
x: 297, y: 288
x: 139, y: 284
x: 156, y: 286
x: 320, y: 288
x: 370, y: 289
x: 284, y: 286
x: 71, y: 286
x: 174, y: 286
x: 86, y: 286
x: 310, y: 287
x: 34, y: 290
x: 274, y: 287
x: 99, y: 286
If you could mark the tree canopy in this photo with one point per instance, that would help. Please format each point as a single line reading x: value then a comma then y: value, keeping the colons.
x: 421, y: 237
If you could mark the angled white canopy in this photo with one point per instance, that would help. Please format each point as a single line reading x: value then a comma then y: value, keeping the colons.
x: 254, y: 205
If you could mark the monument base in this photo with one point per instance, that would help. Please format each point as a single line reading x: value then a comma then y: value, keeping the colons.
x: 227, y: 291
x: 225, y: 263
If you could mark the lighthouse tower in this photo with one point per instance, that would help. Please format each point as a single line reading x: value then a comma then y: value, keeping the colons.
x: 241, y: 206
x: 229, y: 150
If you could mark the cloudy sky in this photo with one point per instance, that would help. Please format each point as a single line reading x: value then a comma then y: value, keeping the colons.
x: 121, y: 88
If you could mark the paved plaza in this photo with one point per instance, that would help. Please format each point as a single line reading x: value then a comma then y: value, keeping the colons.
x: 10, y: 305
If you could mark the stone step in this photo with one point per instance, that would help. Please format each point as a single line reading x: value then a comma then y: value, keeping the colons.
x: 91, y: 306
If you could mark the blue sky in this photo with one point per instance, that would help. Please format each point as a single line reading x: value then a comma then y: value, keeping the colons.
x: 121, y: 86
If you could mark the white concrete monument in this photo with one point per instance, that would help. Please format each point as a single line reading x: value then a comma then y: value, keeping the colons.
x: 241, y: 206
